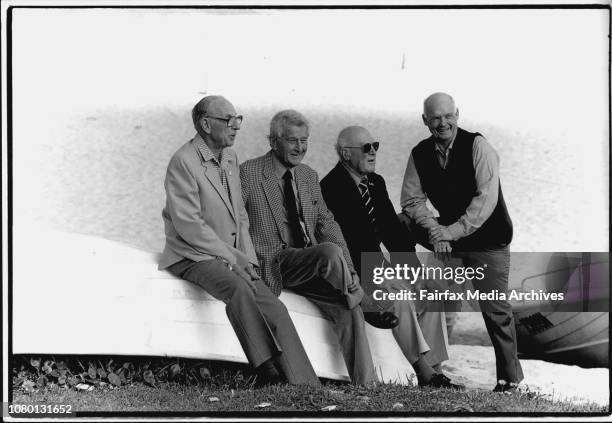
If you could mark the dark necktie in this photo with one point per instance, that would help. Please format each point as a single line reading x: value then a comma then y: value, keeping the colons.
x: 367, y: 201
x: 292, y: 212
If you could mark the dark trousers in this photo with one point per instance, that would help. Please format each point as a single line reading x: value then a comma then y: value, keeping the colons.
x: 320, y: 274
x: 497, y: 313
x: 260, y: 320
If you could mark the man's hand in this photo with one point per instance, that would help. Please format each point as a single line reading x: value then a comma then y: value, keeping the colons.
x: 354, y: 286
x: 244, y: 274
x: 251, y: 272
x: 393, y: 285
x: 442, y: 250
x: 439, y: 233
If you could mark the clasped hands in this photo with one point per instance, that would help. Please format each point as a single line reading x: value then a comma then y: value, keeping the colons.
x: 247, y: 273
x: 440, y: 237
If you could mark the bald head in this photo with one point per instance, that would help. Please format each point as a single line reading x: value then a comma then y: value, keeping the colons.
x: 440, y: 115
x: 351, y: 136
x: 436, y: 100
x: 209, y: 105
x: 350, y: 149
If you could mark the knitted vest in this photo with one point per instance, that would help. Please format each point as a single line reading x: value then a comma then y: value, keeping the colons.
x: 451, y: 190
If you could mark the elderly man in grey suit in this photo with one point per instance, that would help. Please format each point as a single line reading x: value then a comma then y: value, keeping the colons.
x: 208, y: 243
x: 299, y: 244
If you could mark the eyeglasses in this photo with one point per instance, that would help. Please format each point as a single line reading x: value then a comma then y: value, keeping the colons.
x: 293, y: 141
x: 366, y: 148
x: 232, y: 121
x: 436, y: 120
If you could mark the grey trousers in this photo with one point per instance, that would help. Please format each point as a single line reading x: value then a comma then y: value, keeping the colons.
x: 497, y: 314
x: 420, y: 333
x: 260, y: 320
x: 320, y: 274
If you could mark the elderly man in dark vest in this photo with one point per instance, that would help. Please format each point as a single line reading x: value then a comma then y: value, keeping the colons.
x: 458, y: 171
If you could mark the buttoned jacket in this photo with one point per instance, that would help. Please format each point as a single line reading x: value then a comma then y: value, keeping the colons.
x: 201, y: 220
x: 264, y: 204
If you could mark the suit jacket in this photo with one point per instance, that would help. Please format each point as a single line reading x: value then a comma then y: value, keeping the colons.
x: 201, y: 222
x: 264, y: 205
x: 344, y: 200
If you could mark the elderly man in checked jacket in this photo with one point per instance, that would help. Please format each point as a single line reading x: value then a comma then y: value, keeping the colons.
x: 299, y: 244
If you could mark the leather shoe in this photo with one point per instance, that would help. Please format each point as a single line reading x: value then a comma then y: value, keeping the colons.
x: 506, y: 387
x: 263, y: 381
x: 440, y: 380
x: 381, y: 319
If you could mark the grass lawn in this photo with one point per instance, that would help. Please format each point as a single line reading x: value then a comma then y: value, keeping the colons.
x: 118, y: 384
x: 174, y: 397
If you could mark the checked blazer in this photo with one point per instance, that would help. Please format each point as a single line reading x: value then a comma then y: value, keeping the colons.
x: 264, y: 205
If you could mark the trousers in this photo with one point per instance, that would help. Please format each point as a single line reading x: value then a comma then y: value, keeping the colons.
x: 259, y: 319
x: 320, y: 274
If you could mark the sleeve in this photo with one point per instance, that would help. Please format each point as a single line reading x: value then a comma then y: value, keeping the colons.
x: 394, y: 235
x: 183, y: 199
x: 245, y: 236
x: 327, y: 229
x: 413, y: 200
x: 486, y: 166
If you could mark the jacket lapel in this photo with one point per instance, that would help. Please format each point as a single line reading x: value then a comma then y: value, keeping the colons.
x: 232, y: 173
x: 345, y: 180
x: 212, y: 173
x: 272, y: 192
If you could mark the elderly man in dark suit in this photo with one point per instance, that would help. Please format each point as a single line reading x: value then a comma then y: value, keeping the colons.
x: 300, y: 245
x: 208, y: 243
x: 358, y: 198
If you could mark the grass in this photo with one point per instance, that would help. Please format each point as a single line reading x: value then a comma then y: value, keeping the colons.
x: 232, y: 385
x: 173, y: 397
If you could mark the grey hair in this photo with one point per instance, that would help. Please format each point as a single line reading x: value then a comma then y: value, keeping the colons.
x: 282, y: 120
x: 200, y: 109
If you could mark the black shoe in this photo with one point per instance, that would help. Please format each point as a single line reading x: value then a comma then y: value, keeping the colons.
x: 262, y: 381
x: 506, y: 387
x: 267, y: 374
x: 439, y: 380
x: 381, y: 319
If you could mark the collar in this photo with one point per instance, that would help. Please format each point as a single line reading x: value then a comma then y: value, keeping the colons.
x: 279, y: 168
x: 441, y: 149
x: 207, y: 154
x: 357, y: 178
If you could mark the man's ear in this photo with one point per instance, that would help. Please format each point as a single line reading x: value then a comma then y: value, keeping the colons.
x: 457, y: 113
x: 272, y: 143
x: 205, y: 125
x: 344, y: 154
x: 425, y: 119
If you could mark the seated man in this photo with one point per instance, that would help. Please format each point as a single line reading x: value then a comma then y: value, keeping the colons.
x: 208, y: 243
x: 360, y: 203
x: 300, y: 245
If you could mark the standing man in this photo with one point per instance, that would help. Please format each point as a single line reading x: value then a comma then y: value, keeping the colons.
x: 208, y: 243
x: 300, y: 245
x: 458, y: 171
x: 358, y: 198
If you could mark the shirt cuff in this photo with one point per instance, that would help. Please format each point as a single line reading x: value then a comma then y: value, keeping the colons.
x: 456, y: 230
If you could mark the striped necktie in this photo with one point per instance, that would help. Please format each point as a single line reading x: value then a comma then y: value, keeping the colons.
x: 367, y: 201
